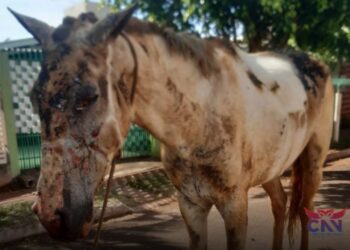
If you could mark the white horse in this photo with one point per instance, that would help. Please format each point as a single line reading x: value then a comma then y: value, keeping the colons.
x: 228, y: 121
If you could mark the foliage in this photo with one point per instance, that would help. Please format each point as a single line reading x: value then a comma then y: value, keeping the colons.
x: 318, y: 26
x: 16, y: 214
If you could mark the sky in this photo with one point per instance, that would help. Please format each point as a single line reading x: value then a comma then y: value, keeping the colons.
x: 50, y: 11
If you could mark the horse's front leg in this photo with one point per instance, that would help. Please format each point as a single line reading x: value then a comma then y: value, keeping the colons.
x: 233, y: 208
x: 195, y: 217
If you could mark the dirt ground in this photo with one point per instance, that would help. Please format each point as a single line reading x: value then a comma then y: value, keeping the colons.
x: 161, y: 227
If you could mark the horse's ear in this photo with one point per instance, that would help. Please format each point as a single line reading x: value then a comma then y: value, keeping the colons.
x: 110, y: 26
x: 40, y: 30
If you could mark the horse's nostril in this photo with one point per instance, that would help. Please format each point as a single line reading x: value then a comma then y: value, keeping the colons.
x: 63, y: 217
x: 61, y: 214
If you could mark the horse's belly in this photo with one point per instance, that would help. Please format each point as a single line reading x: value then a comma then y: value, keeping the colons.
x: 287, y: 149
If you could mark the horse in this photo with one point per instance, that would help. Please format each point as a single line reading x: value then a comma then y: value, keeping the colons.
x: 228, y: 120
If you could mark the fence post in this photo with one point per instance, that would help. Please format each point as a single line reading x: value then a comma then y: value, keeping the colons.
x: 155, y: 147
x: 6, y: 96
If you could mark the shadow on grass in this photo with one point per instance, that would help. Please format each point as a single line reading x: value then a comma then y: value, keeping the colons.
x: 138, y: 237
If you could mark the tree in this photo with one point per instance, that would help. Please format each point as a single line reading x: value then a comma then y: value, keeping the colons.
x: 318, y: 26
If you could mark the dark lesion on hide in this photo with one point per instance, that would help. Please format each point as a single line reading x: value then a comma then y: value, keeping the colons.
x: 59, y: 130
x: 83, y: 69
x: 311, y: 73
x: 255, y: 80
x: 171, y: 87
x: 203, y: 152
x: 213, y: 151
x: 228, y: 125
x: 275, y: 86
x: 214, y: 176
x: 283, y: 128
x: 123, y: 88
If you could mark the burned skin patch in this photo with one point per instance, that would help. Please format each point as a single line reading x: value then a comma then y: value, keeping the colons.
x: 50, y: 184
x: 255, y: 80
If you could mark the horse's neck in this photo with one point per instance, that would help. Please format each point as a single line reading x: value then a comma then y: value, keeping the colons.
x: 171, y: 96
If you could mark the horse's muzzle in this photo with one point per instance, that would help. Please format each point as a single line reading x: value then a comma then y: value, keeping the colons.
x: 69, y: 225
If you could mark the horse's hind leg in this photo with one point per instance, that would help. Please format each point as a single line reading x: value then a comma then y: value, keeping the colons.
x: 307, y: 175
x: 311, y: 161
x: 278, y: 199
x: 195, y: 217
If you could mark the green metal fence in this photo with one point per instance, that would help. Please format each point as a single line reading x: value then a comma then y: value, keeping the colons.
x: 137, y: 143
x: 23, y: 67
x: 29, y: 149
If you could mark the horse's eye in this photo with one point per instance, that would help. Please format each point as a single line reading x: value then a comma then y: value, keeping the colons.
x: 58, y: 101
x: 84, y: 97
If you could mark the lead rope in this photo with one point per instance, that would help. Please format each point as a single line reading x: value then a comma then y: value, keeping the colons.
x: 114, y: 161
x: 105, y: 200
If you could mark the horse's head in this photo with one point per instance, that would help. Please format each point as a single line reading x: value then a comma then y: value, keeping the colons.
x: 83, y: 119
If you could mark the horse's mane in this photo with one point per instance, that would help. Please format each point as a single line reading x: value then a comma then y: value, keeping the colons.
x: 200, y: 51
x: 191, y: 47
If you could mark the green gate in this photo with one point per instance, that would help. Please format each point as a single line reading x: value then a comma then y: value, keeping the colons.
x: 29, y: 150
x: 24, y: 67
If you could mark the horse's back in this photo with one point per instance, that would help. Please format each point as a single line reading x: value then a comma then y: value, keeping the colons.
x: 285, y: 111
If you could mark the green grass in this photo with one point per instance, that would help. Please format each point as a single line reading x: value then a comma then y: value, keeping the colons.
x: 19, y: 214
x: 16, y: 214
x: 100, y: 194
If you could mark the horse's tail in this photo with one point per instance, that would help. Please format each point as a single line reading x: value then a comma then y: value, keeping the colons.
x: 295, y: 201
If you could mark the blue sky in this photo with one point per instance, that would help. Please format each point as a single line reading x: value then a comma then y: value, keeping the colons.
x: 50, y: 11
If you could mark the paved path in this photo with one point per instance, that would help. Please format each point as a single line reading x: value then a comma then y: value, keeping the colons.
x: 162, y: 227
